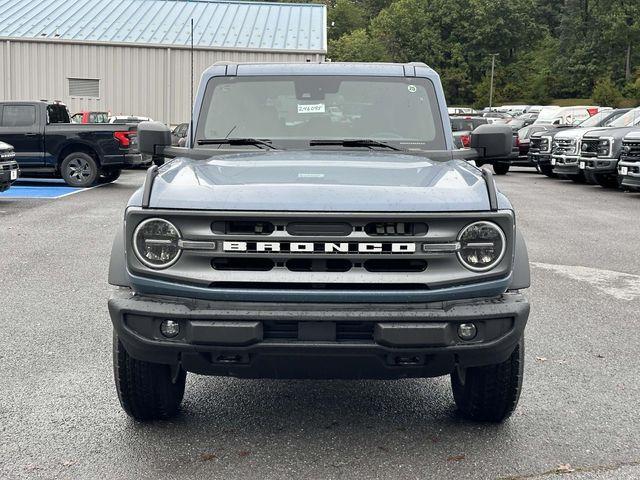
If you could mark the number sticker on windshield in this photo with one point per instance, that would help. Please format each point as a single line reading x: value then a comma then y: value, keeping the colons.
x: 315, y: 108
x: 412, y: 88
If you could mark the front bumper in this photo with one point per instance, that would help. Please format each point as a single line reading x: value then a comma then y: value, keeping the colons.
x: 600, y: 165
x: 123, y: 160
x: 319, y: 340
x: 540, y: 159
x: 9, y: 173
x: 566, y: 164
x: 629, y: 172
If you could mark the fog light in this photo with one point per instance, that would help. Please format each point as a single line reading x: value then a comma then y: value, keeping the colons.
x: 467, y: 331
x: 169, y: 328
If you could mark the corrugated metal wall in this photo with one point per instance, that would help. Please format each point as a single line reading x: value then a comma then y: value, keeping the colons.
x: 144, y: 81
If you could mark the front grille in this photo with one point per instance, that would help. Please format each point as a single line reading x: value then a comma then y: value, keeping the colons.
x: 344, y: 331
x: 534, y: 145
x: 8, y: 166
x: 590, y: 147
x: 328, y: 252
x: 631, y: 150
x: 563, y: 147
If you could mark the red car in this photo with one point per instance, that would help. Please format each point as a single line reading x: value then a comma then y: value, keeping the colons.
x: 90, y: 117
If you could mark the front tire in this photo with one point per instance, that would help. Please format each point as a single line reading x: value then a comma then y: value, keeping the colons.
x: 79, y: 169
x: 111, y: 175
x: 147, y: 391
x: 490, y: 393
x: 547, y: 170
x: 608, y: 180
x: 501, y: 168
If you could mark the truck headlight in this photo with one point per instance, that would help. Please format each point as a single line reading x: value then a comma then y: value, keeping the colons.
x: 482, y: 246
x: 545, y: 144
x: 155, y: 243
x: 603, y: 148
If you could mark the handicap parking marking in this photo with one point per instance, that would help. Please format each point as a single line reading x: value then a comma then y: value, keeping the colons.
x: 38, y: 188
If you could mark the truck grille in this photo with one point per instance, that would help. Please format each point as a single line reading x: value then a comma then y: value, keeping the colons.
x: 563, y: 146
x: 589, y: 147
x: 319, y: 250
x: 534, y: 145
x: 631, y: 151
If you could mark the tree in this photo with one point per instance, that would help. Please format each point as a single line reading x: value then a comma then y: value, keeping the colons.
x: 357, y: 46
x: 345, y: 16
x: 606, y: 93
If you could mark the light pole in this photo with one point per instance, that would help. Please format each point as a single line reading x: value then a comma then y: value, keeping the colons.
x: 493, y: 66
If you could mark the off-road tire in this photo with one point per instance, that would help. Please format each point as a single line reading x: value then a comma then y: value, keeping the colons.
x: 547, y: 170
x: 501, y: 168
x: 147, y: 391
x: 608, y: 180
x: 79, y: 169
x: 489, y: 393
x: 110, y: 175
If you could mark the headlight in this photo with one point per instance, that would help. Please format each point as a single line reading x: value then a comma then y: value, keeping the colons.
x: 482, y: 246
x: 545, y: 144
x: 603, y: 148
x: 155, y: 242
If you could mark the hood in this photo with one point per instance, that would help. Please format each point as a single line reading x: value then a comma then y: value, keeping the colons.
x: 573, y: 133
x: 5, y: 146
x: 338, y: 181
x: 617, y: 133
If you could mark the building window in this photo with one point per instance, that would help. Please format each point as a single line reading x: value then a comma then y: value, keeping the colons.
x: 84, y: 87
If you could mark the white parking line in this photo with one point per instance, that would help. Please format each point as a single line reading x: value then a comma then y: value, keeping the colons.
x: 623, y: 286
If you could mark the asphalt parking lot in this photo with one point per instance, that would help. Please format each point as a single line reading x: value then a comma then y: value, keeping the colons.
x: 60, y: 418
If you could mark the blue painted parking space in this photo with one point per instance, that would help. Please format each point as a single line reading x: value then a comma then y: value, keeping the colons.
x: 39, y: 188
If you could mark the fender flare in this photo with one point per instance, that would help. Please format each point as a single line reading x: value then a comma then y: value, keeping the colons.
x: 118, y: 275
x: 521, y: 277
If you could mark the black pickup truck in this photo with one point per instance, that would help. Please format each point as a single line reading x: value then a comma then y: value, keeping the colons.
x: 48, y: 144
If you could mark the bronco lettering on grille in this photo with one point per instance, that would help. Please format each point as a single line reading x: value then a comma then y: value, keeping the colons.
x: 319, y: 247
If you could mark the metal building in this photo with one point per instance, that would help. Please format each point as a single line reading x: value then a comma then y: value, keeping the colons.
x: 133, y: 56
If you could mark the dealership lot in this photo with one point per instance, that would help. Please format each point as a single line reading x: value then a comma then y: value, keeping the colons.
x: 59, y: 416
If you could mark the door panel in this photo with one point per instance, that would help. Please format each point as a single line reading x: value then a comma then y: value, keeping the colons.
x: 19, y: 127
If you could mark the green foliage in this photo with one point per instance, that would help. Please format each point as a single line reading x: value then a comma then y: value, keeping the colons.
x: 546, y: 48
x: 606, y: 93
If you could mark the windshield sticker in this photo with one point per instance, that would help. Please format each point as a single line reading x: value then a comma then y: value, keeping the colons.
x: 316, y: 108
x: 412, y: 88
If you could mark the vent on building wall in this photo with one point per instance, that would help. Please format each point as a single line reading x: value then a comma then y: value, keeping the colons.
x: 84, y: 87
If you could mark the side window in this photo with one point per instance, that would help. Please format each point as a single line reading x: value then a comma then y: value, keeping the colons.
x: 18, y: 116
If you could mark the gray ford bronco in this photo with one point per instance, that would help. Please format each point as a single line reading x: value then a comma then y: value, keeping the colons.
x: 319, y: 223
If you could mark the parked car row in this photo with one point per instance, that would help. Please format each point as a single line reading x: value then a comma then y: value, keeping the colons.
x: 106, y: 117
x: 603, y: 150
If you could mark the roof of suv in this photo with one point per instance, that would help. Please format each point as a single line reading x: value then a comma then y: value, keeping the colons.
x: 322, y: 68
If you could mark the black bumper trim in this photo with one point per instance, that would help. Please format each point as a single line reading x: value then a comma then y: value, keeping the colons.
x: 225, y: 338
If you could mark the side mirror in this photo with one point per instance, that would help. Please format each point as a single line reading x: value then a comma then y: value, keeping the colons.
x: 152, y: 137
x: 492, y: 141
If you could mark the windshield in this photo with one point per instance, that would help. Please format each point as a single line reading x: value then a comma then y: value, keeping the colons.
x: 632, y: 117
x: 596, y: 119
x: 98, y: 117
x: 291, y: 111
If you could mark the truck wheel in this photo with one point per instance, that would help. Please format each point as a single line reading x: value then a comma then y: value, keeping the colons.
x: 79, y: 169
x: 501, y: 168
x: 547, y: 170
x: 607, y: 181
x: 579, y: 178
x: 110, y: 175
x: 490, y: 393
x: 147, y: 391
x: 590, y: 177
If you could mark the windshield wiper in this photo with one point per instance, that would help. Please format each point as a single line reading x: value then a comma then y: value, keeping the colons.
x: 236, y: 141
x: 362, y: 142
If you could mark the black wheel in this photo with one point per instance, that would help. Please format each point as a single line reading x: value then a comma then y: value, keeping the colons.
x: 590, y: 177
x: 147, y: 391
x: 579, y: 178
x: 547, y: 170
x: 608, y: 180
x: 110, y: 175
x: 79, y: 169
x: 500, y: 168
x: 490, y: 393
